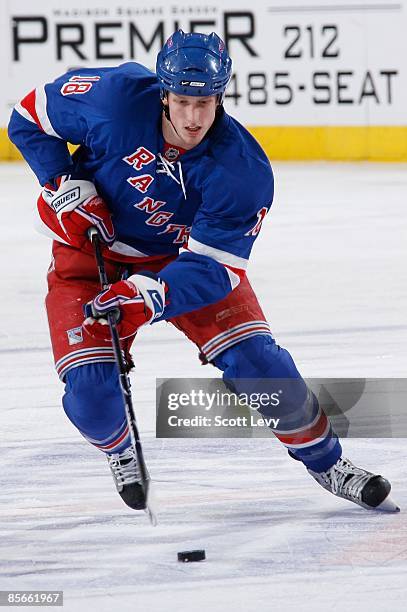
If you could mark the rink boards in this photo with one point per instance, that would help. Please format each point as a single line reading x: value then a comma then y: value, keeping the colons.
x: 311, y: 80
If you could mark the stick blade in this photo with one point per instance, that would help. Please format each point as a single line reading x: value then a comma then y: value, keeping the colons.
x: 151, y: 503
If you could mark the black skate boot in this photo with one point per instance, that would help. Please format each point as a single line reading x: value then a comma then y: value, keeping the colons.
x: 357, y: 485
x: 126, y: 476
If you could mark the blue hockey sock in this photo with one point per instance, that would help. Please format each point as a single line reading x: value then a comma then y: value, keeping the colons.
x: 94, y: 404
x: 259, y: 364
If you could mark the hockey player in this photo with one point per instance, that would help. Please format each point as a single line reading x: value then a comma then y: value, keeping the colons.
x: 177, y: 190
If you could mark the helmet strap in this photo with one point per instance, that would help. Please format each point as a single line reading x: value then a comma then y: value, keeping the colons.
x: 166, y: 109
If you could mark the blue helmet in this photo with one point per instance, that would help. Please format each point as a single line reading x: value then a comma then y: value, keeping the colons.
x: 194, y: 65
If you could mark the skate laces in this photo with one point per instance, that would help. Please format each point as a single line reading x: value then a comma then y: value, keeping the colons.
x: 124, y: 467
x: 345, y: 479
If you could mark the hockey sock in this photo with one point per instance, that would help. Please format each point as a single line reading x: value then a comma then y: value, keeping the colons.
x: 93, y: 403
x: 259, y: 365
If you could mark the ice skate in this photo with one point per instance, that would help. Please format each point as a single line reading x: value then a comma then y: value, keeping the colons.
x: 127, y: 478
x: 357, y: 485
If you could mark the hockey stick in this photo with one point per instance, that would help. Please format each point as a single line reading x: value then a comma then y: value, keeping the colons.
x: 123, y: 378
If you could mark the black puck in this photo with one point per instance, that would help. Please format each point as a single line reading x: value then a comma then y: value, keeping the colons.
x: 187, y: 556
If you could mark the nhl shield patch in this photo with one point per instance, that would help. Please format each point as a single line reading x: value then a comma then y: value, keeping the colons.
x: 171, y: 153
x: 75, y: 335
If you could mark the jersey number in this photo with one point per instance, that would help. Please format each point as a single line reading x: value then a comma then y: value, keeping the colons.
x: 78, y: 85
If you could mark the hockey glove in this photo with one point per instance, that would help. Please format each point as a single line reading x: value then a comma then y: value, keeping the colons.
x: 134, y: 302
x: 70, y: 207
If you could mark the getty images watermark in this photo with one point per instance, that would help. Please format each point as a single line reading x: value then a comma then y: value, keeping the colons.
x: 211, y: 408
x: 210, y: 401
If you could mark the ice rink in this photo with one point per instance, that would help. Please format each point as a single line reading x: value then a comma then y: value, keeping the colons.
x: 330, y: 271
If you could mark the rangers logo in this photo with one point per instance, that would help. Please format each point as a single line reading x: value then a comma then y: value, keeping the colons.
x: 74, y: 335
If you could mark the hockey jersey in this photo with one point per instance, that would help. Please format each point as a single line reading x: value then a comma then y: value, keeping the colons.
x: 206, y: 205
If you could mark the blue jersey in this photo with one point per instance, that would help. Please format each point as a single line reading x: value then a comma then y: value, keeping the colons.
x: 205, y: 205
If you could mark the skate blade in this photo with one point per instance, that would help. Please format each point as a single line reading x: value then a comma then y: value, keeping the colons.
x: 387, y: 505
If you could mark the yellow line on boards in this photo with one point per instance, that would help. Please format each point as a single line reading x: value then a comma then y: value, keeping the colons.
x: 345, y: 143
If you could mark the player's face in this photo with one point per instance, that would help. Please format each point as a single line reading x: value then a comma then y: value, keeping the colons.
x: 192, y: 116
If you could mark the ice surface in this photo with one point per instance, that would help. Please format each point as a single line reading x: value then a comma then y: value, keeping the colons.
x: 329, y: 269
